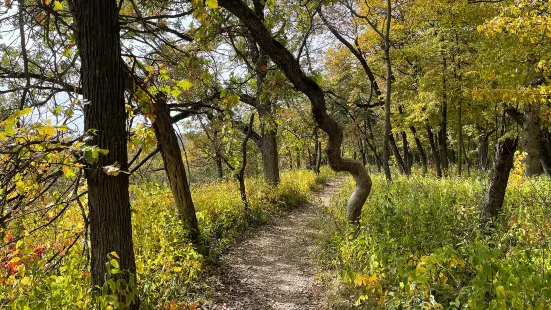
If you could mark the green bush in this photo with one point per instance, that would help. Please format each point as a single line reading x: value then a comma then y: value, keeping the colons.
x: 169, y: 270
x: 419, y: 246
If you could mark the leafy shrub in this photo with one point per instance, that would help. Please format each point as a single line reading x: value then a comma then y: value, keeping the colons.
x: 169, y: 270
x: 419, y: 246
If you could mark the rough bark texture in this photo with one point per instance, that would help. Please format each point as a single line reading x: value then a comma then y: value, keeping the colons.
x: 531, y: 140
x: 103, y: 86
x: 175, y: 169
x: 499, y: 176
x: 270, y: 157
x: 291, y: 67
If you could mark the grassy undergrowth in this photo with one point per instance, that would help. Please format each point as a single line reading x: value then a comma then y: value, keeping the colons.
x: 419, y: 246
x: 169, y: 270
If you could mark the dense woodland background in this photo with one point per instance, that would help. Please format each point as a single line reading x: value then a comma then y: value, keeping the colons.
x: 140, y: 138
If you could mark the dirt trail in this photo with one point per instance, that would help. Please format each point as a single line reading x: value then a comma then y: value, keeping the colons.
x: 273, y: 267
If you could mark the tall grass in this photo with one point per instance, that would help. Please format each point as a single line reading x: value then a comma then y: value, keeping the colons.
x: 169, y: 269
x: 419, y: 246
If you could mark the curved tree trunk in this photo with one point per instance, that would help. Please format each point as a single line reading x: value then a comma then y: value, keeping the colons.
x: 103, y: 86
x: 174, y: 168
x: 285, y: 60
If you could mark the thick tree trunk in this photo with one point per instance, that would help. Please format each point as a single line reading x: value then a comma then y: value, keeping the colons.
x: 420, y: 148
x: 531, y: 140
x: 175, y: 169
x: 103, y: 87
x: 435, y: 154
x: 286, y: 61
x: 499, y: 176
x: 270, y: 157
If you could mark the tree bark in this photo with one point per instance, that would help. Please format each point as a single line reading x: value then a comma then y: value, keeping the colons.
x: 98, y: 41
x: 175, y: 169
x: 531, y: 140
x: 499, y: 176
x: 285, y: 60
x: 270, y: 157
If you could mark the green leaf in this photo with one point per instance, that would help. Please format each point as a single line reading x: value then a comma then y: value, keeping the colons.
x: 114, y: 263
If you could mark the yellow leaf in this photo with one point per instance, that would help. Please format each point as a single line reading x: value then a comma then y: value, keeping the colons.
x: 213, y: 4
x: 58, y: 6
x: 68, y: 172
x: 15, y: 260
x: 49, y: 130
x: 26, y: 281
x: 185, y: 84
x: 12, y: 195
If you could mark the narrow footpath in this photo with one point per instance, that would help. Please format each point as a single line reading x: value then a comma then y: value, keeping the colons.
x: 273, y: 267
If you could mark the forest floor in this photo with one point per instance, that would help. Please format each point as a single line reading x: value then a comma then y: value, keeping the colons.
x: 273, y: 267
